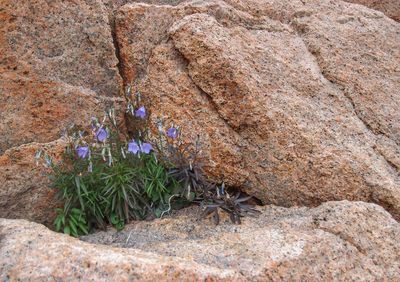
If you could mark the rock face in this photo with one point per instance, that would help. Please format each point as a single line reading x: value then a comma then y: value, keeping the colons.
x: 296, y: 102
x: 38, y: 110
x: 339, y: 241
x: 57, y: 67
x: 55, y: 57
x: 67, y: 259
x: 70, y: 42
x: 24, y: 191
x: 390, y: 7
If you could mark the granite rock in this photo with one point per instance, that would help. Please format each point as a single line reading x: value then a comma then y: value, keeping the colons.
x: 56, y: 56
x: 61, y: 41
x: 295, y: 101
x: 389, y: 7
x: 58, y: 68
x: 338, y: 241
x: 24, y: 185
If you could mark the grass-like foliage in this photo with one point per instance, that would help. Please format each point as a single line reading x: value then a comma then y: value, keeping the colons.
x: 106, y: 177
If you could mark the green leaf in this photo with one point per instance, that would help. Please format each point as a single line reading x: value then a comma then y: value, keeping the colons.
x: 74, y: 230
x: 84, y: 228
x: 57, y: 224
x: 76, y: 211
x: 73, y: 220
x: 120, y: 225
x: 113, y: 218
x: 75, y: 234
x: 158, y: 212
x: 67, y: 230
x: 166, y: 197
x: 78, y: 187
x: 59, y: 211
x: 155, y: 197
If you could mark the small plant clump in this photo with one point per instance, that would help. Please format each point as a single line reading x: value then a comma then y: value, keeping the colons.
x: 106, y: 177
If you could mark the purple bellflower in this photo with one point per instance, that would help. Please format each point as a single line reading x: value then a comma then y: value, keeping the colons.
x: 133, y: 147
x: 146, y: 148
x: 141, y: 112
x: 83, y: 151
x: 101, y: 134
x: 172, y: 132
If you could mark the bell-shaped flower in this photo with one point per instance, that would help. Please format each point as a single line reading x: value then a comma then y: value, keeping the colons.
x: 83, y: 151
x: 141, y: 112
x: 101, y: 134
x: 172, y: 132
x: 146, y: 148
x: 133, y: 147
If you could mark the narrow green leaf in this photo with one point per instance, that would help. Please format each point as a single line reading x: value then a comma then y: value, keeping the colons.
x: 67, y: 230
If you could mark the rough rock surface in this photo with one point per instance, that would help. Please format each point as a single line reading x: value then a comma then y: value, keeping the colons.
x: 30, y: 251
x: 24, y: 186
x: 55, y: 57
x: 295, y: 101
x: 390, y: 7
x: 58, y: 40
x: 338, y: 241
x: 113, y: 5
x: 57, y: 68
x: 34, y: 110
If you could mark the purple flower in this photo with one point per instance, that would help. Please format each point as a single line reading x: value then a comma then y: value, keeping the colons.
x: 141, y: 112
x: 146, y: 148
x: 133, y: 147
x: 172, y: 132
x: 83, y: 151
x: 101, y: 134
